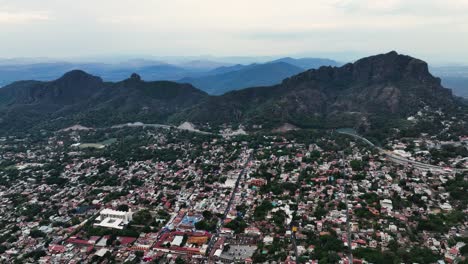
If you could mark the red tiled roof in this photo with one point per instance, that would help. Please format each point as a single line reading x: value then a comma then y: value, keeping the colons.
x: 57, y: 248
x: 126, y: 240
x: 78, y: 241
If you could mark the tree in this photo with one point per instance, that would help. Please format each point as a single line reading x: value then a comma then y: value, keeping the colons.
x: 123, y: 207
x: 356, y: 165
x: 206, y: 225
x: 35, y: 254
x: 279, y: 217
x: 464, y: 250
x: 139, y: 255
x: 180, y: 260
x: 36, y: 233
x: 110, y: 240
x: 146, y: 229
x: 393, y: 245
x: 238, y: 225
x: 207, y: 214
x: 262, y: 210
x: 142, y: 217
x: 75, y: 221
x: 184, y: 240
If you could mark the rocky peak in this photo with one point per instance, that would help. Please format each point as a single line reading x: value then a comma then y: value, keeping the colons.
x: 379, y: 69
x: 78, y: 76
x: 72, y: 87
x: 135, y: 77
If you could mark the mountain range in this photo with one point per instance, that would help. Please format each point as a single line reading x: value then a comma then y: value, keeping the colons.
x: 210, y: 76
x: 389, y: 86
x: 245, y: 76
x: 454, y: 77
x: 80, y: 97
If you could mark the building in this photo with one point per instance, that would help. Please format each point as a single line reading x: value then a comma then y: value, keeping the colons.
x: 113, y: 219
x: 387, y: 204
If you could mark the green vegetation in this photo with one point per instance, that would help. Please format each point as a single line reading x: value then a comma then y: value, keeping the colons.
x: 142, y: 217
x: 414, y: 255
x: 238, y: 225
x: 35, y: 233
x: 262, y: 210
x: 357, y: 165
x: 458, y: 188
x: 441, y: 222
x: 206, y: 225
x: 97, y: 231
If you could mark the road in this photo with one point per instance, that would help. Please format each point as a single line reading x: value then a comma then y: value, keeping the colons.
x: 348, y: 230
x: 228, y: 207
x: 138, y: 124
x: 293, y: 239
x: 404, y: 161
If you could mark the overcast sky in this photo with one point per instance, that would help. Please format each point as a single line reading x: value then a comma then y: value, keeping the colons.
x: 435, y: 30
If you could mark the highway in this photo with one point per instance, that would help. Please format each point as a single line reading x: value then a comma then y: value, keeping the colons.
x: 404, y: 161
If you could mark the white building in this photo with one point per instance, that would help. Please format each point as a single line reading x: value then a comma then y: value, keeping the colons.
x: 387, y: 204
x: 177, y: 241
x: 113, y: 219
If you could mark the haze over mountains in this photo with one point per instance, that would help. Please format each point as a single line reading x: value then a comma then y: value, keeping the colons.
x: 212, y: 76
x: 244, y: 76
x: 390, y: 85
x: 151, y: 70
x: 454, y: 77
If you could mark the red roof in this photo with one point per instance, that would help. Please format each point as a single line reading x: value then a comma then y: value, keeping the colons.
x: 453, y: 251
x: 126, y: 240
x: 56, y: 248
x: 78, y: 241
x: 361, y: 241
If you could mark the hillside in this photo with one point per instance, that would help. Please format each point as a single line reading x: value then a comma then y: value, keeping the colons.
x: 86, y: 99
x: 387, y: 86
x: 367, y: 94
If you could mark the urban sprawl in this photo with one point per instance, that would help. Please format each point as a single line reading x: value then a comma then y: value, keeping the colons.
x: 137, y: 194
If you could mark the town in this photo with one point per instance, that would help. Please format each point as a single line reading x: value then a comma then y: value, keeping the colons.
x: 133, y: 194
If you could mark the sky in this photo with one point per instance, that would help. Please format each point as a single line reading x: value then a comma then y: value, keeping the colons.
x: 434, y: 30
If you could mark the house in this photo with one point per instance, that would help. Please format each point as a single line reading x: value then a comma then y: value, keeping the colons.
x: 387, y: 204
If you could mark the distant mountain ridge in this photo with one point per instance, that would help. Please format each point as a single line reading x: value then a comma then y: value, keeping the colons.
x: 308, y: 63
x: 459, y: 85
x: 150, y: 70
x: 454, y: 77
x: 236, y: 77
x: 385, y: 87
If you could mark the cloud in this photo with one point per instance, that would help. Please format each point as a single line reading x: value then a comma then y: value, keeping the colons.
x: 429, y: 8
x: 22, y: 17
x: 226, y: 27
